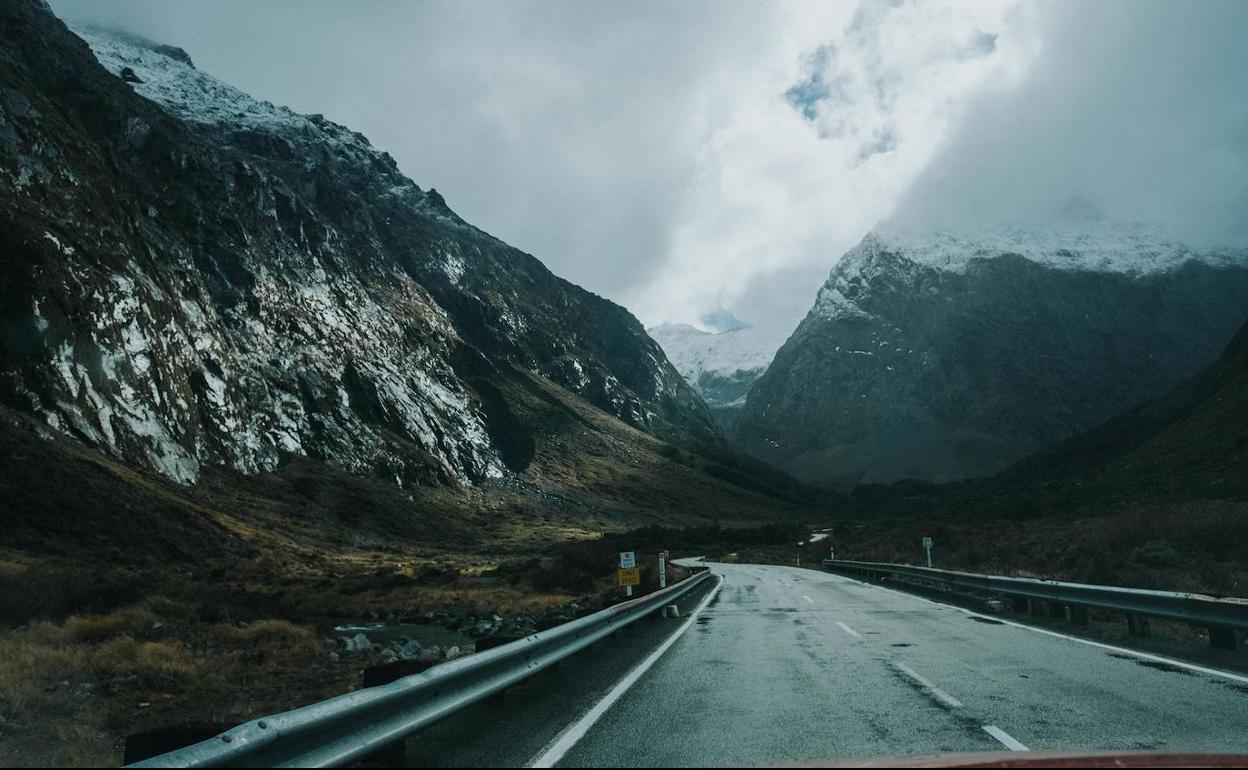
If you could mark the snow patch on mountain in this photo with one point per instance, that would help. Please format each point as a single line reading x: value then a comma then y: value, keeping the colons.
x: 906, y: 255
x: 187, y: 93
x: 167, y: 76
x: 694, y: 352
x: 1102, y: 246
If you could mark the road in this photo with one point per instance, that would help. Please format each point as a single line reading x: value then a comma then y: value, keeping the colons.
x: 785, y: 664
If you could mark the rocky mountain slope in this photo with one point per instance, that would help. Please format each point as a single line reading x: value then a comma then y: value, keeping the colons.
x: 1191, y: 443
x: 950, y: 355
x: 194, y: 279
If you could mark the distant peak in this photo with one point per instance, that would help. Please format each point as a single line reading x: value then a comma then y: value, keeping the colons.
x: 138, y: 41
x: 1087, y: 244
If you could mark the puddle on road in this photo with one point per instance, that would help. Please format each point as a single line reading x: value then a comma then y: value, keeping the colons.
x: 903, y: 644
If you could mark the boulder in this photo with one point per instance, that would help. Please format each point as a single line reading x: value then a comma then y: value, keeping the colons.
x: 410, y: 651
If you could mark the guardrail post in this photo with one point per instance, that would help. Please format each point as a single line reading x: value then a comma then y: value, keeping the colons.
x: 1222, y: 637
x: 1137, y: 625
x: 1078, y: 615
x: 1037, y: 611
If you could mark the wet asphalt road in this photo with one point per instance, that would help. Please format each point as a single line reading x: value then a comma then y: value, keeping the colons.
x: 785, y: 665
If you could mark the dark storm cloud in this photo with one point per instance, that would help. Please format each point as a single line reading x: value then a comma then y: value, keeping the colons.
x: 1139, y: 107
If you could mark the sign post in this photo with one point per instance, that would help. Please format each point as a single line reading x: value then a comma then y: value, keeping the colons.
x: 927, y: 546
x: 628, y: 575
x: 663, y: 569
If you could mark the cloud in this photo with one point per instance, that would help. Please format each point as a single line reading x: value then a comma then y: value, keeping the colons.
x: 566, y: 128
x: 821, y: 142
x: 681, y: 157
x: 1137, y: 106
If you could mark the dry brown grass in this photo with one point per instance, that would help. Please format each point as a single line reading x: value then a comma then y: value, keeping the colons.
x: 502, y: 599
x: 68, y: 691
x: 27, y: 666
x: 263, y: 642
x: 159, y: 665
x: 94, y: 628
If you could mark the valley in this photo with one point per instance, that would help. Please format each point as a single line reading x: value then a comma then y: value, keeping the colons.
x: 258, y: 386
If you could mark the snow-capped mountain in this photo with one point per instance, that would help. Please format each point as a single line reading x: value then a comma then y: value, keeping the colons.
x: 723, y: 363
x: 193, y: 277
x: 952, y: 354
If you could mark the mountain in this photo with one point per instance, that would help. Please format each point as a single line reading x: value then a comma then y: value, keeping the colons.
x: 1156, y: 497
x: 1189, y: 443
x: 195, y: 278
x: 723, y: 363
x: 948, y: 355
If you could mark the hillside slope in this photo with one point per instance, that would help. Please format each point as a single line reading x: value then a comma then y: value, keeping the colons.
x: 1154, y: 498
x: 214, y: 307
x: 1192, y: 442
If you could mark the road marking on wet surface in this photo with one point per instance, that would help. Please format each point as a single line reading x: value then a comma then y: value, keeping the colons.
x: 573, y: 733
x: 1005, y: 738
x: 932, y: 689
x: 849, y: 630
x: 807, y: 598
x: 1046, y: 632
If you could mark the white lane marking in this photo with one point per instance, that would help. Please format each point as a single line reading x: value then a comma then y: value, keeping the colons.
x: 848, y: 630
x: 807, y: 598
x: 1055, y: 634
x: 573, y: 733
x: 935, y: 691
x: 1005, y: 738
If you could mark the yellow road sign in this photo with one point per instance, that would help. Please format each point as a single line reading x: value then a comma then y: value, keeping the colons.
x: 628, y: 577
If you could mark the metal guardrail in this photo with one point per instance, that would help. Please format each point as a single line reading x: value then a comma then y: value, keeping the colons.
x: 345, y: 728
x: 1219, y: 615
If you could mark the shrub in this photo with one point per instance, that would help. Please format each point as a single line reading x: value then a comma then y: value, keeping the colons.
x: 266, y: 640
x: 152, y: 664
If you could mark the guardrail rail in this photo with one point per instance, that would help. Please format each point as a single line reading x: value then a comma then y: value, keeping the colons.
x: 1220, y: 616
x: 345, y: 728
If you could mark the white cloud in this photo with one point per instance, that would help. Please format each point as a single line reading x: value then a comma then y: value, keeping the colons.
x: 679, y: 156
x: 823, y: 137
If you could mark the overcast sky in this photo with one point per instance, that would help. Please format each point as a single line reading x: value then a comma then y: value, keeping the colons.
x: 679, y: 156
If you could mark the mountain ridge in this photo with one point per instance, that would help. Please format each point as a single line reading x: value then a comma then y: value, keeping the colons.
x: 956, y: 365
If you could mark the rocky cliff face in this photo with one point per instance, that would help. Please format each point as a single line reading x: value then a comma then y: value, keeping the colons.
x: 189, y: 276
x: 943, y: 356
